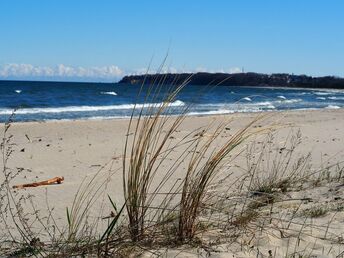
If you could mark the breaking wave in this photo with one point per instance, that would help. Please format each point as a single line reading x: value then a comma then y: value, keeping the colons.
x: 109, y: 93
x: 332, y: 107
x: 320, y: 93
x: 23, y: 111
x: 289, y: 101
x: 336, y: 98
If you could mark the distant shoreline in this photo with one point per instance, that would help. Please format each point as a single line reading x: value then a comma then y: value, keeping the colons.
x: 240, y: 79
x: 250, y: 79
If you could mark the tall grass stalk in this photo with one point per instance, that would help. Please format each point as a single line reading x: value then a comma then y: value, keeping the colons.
x: 200, y: 174
x: 145, y: 150
x: 87, y: 195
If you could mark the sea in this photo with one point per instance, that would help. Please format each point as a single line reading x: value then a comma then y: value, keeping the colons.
x: 25, y: 101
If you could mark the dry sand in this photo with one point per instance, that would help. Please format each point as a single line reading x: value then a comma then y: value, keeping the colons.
x: 76, y: 149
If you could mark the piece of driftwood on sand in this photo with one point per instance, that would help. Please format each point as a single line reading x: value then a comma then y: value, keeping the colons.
x: 55, y: 180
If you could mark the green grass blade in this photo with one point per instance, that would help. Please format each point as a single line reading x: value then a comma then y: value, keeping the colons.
x: 113, y: 204
x: 112, y: 224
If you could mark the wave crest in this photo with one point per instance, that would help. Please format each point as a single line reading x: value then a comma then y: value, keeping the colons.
x: 332, y: 107
x: 336, y: 98
x: 109, y: 93
x: 24, y: 111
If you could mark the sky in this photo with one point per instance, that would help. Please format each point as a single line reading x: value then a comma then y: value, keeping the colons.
x: 103, y: 40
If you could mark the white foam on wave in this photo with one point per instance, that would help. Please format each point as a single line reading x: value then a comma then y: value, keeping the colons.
x: 226, y: 111
x: 105, y: 117
x: 88, y: 118
x: 336, y: 98
x: 264, y: 103
x: 177, y: 103
x: 321, y: 93
x: 303, y: 93
x: 321, y: 98
x: 332, y: 90
x: 289, y: 101
x: 236, y: 105
x: 292, y: 100
x: 18, y: 91
x: 281, y: 97
x: 332, y: 107
x: 109, y: 93
x: 225, y: 108
x: 23, y: 111
x: 212, y: 112
x: 247, y: 98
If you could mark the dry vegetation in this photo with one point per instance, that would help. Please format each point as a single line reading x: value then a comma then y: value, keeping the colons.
x: 262, y: 210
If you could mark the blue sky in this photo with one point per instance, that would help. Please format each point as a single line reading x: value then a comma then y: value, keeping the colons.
x: 105, y: 39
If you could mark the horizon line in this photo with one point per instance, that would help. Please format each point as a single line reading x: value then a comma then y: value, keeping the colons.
x: 129, y: 75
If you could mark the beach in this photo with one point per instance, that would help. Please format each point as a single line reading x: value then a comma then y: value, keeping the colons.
x: 76, y: 149
x: 79, y: 149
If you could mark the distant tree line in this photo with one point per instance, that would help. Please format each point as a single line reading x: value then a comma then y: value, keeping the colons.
x: 240, y: 79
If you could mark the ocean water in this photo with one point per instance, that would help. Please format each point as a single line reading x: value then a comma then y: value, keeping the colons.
x: 39, y: 101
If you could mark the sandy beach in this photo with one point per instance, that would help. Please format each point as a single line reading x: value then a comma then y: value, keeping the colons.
x: 78, y: 149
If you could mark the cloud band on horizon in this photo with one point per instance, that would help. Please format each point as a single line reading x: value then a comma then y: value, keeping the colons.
x: 29, y: 71
x: 62, y: 72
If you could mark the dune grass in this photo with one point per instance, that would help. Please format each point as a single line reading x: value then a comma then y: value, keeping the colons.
x: 200, y: 174
x: 145, y: 150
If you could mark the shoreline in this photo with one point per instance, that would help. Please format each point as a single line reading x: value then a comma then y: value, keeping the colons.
x: 192, y: 115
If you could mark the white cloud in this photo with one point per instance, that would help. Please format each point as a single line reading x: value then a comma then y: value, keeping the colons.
x: 196, y: 70
x: 230, y: 70
x: 235, y: 70
x: 62, y: 72
x: 103, y: 73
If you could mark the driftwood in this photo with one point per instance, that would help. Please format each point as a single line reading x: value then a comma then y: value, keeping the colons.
x: 55, y: 180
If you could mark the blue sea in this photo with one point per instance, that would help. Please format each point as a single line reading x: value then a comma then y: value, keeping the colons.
x: 40, y: 101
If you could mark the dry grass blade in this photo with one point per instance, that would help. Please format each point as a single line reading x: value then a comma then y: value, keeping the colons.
x: 87, y: 194
x: 274, y: 167
x: 200, y: 175
x: 145, y: 151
